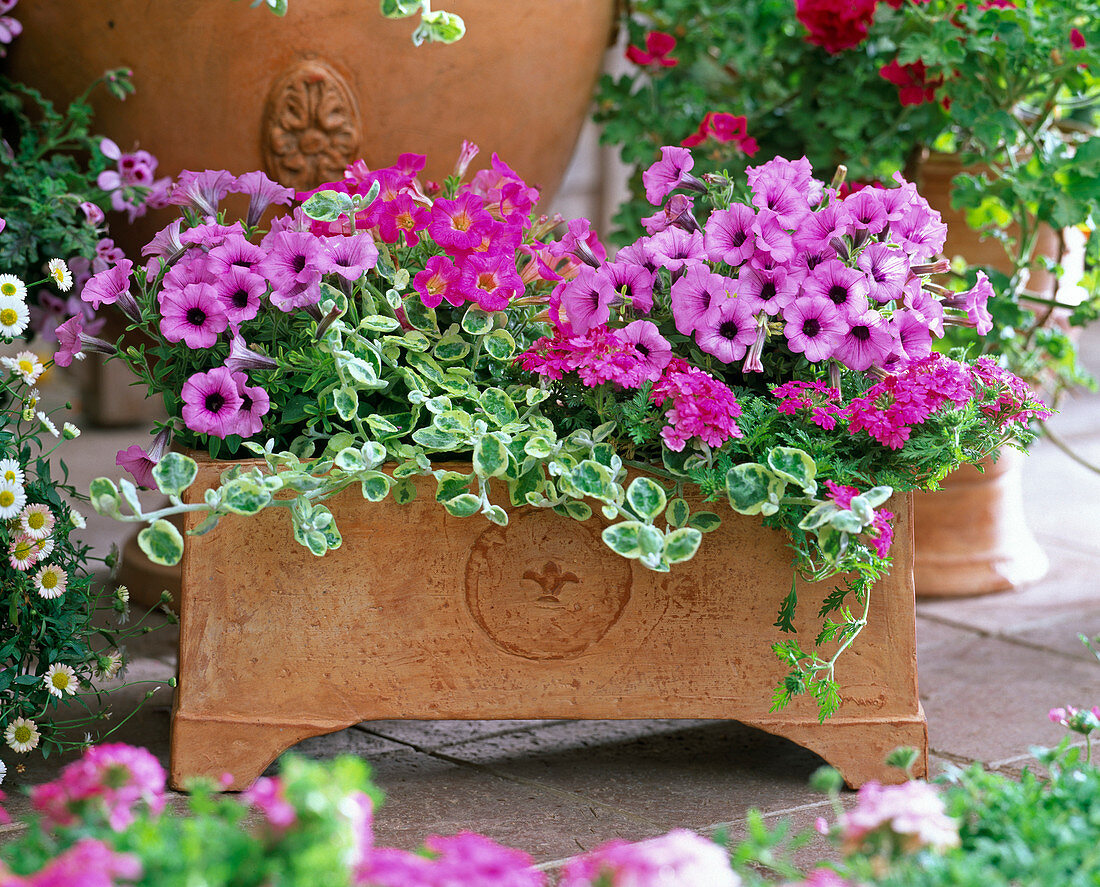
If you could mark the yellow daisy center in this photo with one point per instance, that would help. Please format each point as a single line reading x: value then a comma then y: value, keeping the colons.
x: 7, y: 288
x: 36, y: 520
x: 60, y: 680
x: 8, y: 317
x: 58, y: 275
x: 26, y: 367
x: 49, y: 579
x: 7, y: 498
x: 23, y: 550
x: 22, y: 734
x: 9, y: 476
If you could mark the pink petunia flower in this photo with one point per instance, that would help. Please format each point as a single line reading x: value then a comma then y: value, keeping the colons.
x: 843, y: 286
x: 112, y: 287
x: 886, y: 268
x: 262, y: 193
x: 211, y: 402
x: 139, y: 463
x: 672, y: 171
x: 587, y: 299
x: 203, y: 191
x: 441, y: 279
x: 727, y: 332
x: 728, y: 236
x: 240, y: 291
x: 697, y: 295
x: 491, y: 280
x: 814, y: 327
x: 351, y: 256
x: 195, y: 315
x: 459, y: 224
x: 255, y: 404
x: 73, y: 342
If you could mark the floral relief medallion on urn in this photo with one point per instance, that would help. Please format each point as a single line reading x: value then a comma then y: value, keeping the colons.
x: 312, y: 126
x: 558, y: 592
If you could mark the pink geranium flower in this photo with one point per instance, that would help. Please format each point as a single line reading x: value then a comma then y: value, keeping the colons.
x: 679, y: 858
x: 911, y: 814
x: 211, y: 402
x: 657, y: 47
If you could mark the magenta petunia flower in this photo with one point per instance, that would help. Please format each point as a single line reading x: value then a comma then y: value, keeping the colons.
x: 771, y: 238
x: 974, y: 302
x: 440, y: 280
x: 653, y: 349
x: 459, y: 224
x: 914, y: 334
x: 194, y: 315
x: 139, y: 463
x: 294, y: 265
x: 491, y: 280
x: 236, y: 251
x: 587, y: 299
x: 675, y: 248
x: 112, y: 287
x: 193, y: 267
x: 729, y: 236
x: 72, y: 342
x: 767, y: 290
x: 240, y: 291
x: 843, y: 286
x: 202, y: 190
x: 262, y: 193
x: 210, y: 234
x: 350, y: 256
x: 886, y: 268
x: 211, y: 402
x: 632, y: 283
x: 672, y: 171
x: 865, y: 210
x: 814, y: 327
x: 242, y: 358
x: 166, y: 243
x: 917, y: 299
x: 728, y: 331
x: 255, y: 404
x: 696, y: 295
x: 867, y: 343
x: 772, y: 192
x: 797, y: 173
x: 820, y: 228
x: 402, y: 217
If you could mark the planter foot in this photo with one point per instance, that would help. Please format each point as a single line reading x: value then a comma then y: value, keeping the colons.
x: 858, y: 747
x: 208, y: 747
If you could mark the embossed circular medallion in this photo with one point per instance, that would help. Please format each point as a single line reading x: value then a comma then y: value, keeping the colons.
x: 311, y: 128
x: 545, y: 587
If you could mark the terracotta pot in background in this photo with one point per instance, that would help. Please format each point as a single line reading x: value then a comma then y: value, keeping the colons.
x: 934, y: 176
x: 972, y: 536
x: 423, y: 615
x: 220, y: 85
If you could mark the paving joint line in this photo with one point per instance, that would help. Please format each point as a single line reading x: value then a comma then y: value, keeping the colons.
x: 564, y: 794
x: 998, y: 636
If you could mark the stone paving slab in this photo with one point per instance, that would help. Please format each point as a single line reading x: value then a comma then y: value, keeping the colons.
x: 671, y: 773
x: 1070, y: 590
x: 988, y: 700
x: 427, y: 795
x: 431, y: 735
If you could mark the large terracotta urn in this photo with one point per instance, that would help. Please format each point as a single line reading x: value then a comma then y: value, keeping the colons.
x: 221, y: 85
x: 934, y: 176
x: 972, y: 536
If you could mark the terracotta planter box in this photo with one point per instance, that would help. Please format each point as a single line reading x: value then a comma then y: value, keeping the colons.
x: 424, y: 616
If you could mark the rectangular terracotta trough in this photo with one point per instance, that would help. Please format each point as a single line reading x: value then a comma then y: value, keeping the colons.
x: 421, y: 615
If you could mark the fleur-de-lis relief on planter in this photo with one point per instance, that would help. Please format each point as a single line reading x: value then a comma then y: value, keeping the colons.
x: 550, y: 580
x: 312, y: 126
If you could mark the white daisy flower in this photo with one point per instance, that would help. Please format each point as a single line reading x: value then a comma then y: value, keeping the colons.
x: 12, y: 499
x: 36, y: 520
x: 60, y: 680
x: 3, y: 771
x: 77, y: 519
x: 24, y: 553
x: 51, y: 581
x: 11, y: 472
x: 30, y: 401
x: 12, y: 287
x: 110, y: 665
x: 48, y: 423
x: 61, y: 274
x: 14, y: 315
x: 21, y: 735
x: 26, y: 365
x: 43, y: 548
x: 123, y: 594
x: 69, y: 431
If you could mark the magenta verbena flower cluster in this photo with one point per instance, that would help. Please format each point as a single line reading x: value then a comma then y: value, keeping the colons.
x: 793, y: 268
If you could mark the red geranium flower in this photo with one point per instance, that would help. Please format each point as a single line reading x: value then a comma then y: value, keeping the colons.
x: 657, y: 47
